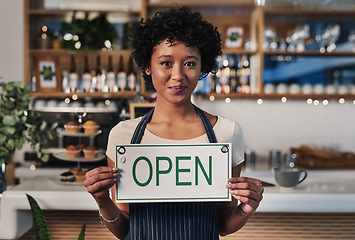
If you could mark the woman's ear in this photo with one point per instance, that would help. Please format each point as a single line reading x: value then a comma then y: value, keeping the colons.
x: 147, y: 71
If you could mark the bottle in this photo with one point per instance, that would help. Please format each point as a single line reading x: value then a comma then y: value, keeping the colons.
x: 244, y: 73
x: 218, y: 88
x: 100, y: 76
x: 225, y: 75
x: 131, y: 75
x: 121, y: 75
x: 33, y: 81
x: 234, y: 78
x: 111, y: 80
x: 87, y: 78
x: 73, y: 75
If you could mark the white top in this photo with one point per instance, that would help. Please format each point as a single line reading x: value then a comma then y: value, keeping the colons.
x: 226, y: 131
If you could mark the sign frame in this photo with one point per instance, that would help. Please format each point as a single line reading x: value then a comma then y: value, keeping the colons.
x: 222, y: 178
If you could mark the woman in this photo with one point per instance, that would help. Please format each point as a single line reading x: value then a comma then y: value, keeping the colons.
x: 174, y: 49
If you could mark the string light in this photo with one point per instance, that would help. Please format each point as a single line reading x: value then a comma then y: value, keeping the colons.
x: 284, y: 99
x: 227, y: 100
x: 325, y: 102
x: 316, y: 102
x: 212, y: 98
x: 341, y: 100
x: 259, y: 101
x: 75, y: 97
x: 309, y: 101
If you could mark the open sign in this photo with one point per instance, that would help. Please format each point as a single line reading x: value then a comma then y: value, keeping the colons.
x: 171, y: 173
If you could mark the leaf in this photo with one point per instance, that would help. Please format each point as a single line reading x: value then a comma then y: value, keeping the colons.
x: 39, y: 220
x: 43, y: 126
x: 9, y: 130
x: 45, y: 158
x: 82, y: 232
x: 37, y: 147
x: 8, y: 120
x: 54, y: 126
x: 12, y: 143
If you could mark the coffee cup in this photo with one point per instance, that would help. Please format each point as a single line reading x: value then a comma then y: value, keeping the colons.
x: 289, y: 177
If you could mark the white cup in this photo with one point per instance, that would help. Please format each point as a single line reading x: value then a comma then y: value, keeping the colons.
x: 307, y: 89
x: 294, y: 88
x: 330, y: 89
x: 269, y: 88
x: 318, y: 88
x: 282, y: 88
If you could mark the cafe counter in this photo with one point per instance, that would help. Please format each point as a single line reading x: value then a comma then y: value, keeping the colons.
x: 323, y: 192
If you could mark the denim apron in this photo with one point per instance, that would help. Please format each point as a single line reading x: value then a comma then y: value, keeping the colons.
x: 173, y: 220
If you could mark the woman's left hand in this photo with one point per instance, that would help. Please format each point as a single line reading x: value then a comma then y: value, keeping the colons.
x: 248, y: 191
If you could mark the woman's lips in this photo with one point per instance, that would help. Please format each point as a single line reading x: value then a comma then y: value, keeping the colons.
x: 177, y: 89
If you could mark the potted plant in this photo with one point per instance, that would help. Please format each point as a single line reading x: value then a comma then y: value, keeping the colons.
x: 20, y: 124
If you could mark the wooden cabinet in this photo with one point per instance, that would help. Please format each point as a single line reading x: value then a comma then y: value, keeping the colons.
x: 223, y: 14
x: 37, y: 48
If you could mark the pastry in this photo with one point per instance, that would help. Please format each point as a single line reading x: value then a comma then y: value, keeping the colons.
x: 80, y: 176
x: 81, y: 148
x: 67, y: 177
x: 90, y: 127
x: 74, y: 170
x: 72, y: 127
x: 90, y: 152
x: 72, y: 151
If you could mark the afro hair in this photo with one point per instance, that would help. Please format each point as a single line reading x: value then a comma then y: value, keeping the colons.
x: 176, y: 24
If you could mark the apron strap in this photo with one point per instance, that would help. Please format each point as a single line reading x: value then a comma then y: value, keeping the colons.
x: 139, y: 131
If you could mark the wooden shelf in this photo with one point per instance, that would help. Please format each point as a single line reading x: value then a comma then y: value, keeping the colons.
x: 299, y: 11
x: 77, y: 52
x: 201, y: 4
x: 311, y: 53
x: 278, y: 96
x: 95, y: 95
x: 237, y: 51
x: 67, y: 11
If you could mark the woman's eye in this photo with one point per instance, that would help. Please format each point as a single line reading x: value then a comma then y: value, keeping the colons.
x: 190, y: 64
x: 166, y: 63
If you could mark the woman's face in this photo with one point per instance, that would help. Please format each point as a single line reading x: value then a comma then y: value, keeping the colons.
x: 175, y: 70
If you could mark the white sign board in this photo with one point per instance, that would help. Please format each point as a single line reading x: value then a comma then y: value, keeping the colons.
x: 171, y: 173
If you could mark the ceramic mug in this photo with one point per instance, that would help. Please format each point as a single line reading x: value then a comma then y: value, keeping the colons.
x: 289, y: 177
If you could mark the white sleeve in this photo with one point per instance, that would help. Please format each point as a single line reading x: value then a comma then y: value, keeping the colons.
x: 237, y: 145
x: 115, y: 137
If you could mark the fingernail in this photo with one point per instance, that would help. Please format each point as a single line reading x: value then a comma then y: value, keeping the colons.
x: 115, y: 174
x: 114, y: 169
x: 232, y: 180
x: 228, y: 186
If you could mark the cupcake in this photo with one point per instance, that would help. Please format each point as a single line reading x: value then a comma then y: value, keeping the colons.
x: 74, y: 170
x: 90, y: 152
x: 90, y: 127
x: 72, y: 151
x: 72, y: 127
x: 81, y: 148
x: 67, y: 177
x: 80, y: 176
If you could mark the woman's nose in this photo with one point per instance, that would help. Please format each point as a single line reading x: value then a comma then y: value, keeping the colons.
x: 177, y: 73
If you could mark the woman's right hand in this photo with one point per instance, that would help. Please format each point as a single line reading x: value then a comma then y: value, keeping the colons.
x: 99, y: 180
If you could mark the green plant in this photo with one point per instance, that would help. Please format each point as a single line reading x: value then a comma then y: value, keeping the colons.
x: 40, y: 223
x: 91, y: 33
x: 19, y: 123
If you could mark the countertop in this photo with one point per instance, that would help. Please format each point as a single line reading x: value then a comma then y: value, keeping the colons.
x: 322, y: 191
